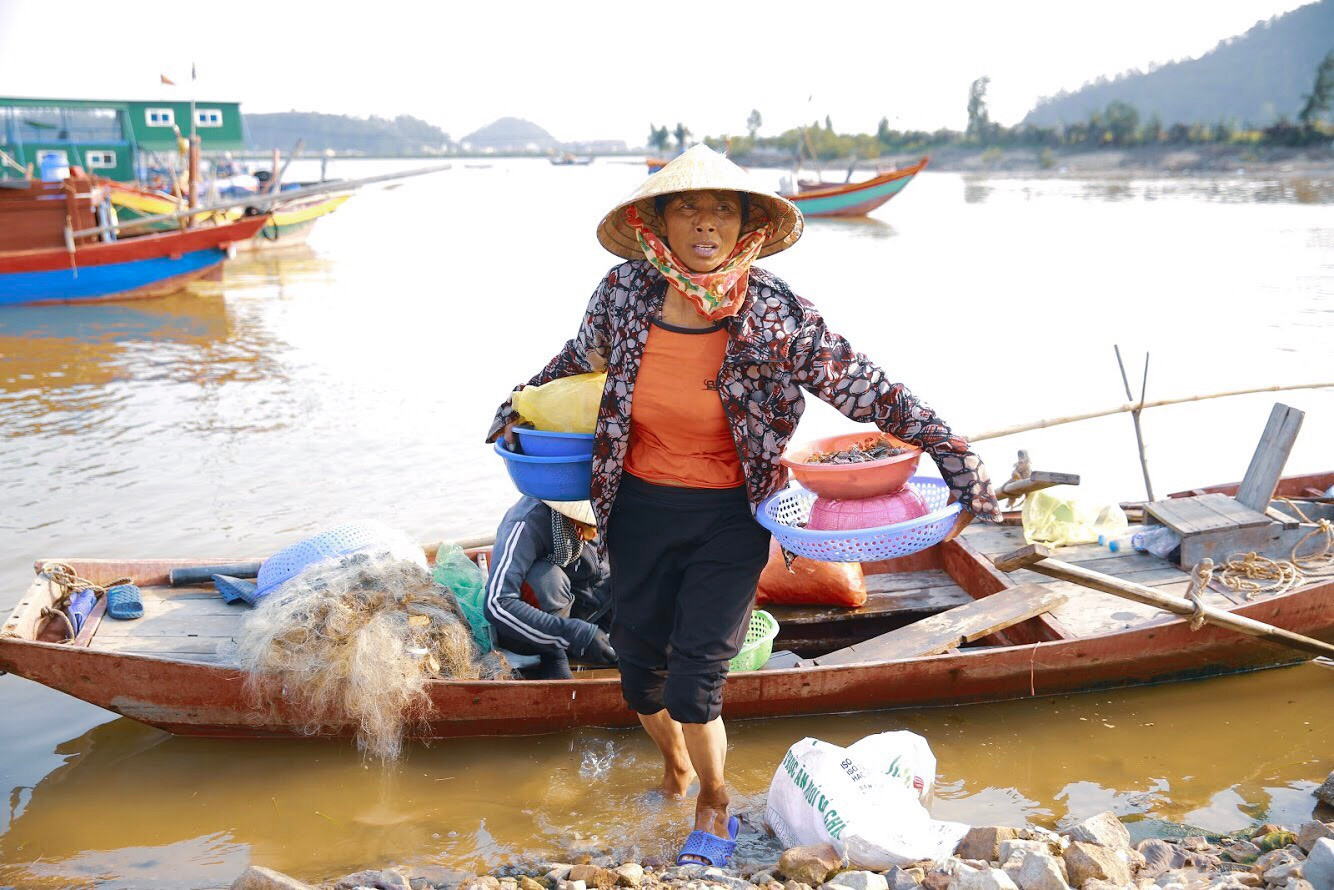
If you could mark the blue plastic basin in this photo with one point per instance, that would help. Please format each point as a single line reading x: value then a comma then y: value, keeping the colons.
x: 567, y: 478
x: 540, y: 443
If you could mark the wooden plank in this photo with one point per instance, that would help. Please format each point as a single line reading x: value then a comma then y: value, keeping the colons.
x: 1187, y: 516
x: 1261, y: 479
x: 1036, y: 481
x: 1240, y: 515
x: 917, y: 601
x: 960, y: 625
x: 156, y: 645
x: 1149, y: 577
x: 177, y: 625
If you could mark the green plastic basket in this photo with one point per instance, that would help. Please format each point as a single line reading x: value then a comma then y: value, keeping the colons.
x: 759, y: 643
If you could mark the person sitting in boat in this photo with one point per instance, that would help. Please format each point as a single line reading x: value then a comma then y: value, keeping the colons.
x: 549, y: 593
x: 707, y: 358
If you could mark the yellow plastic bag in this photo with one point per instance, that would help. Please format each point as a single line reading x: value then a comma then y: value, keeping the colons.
x: 567, y: 405
x: 1055, y: 517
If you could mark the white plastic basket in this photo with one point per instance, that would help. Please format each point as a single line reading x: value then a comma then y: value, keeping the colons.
x: 784, y: 512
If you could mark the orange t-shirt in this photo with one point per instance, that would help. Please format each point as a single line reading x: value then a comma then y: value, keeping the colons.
x: 678, y: 431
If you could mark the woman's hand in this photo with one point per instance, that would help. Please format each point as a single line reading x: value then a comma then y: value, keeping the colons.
x: 959, y: 524
x: 507, y: 434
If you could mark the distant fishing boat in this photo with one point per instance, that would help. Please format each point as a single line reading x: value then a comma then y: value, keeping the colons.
x: 58, y: 244
x: 656, y: 164
x: 570, y: 160
x: 853, y: 198
x: 290, y: 222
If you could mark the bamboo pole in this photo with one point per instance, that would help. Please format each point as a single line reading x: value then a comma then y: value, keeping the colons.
x: 1139, y: 430
x: 1036, y: 558
x: 263, y: 202
x: 1132, y: 406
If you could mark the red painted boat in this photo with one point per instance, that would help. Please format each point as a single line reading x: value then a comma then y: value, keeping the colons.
x: 44, y: 259
x: 165, y: 669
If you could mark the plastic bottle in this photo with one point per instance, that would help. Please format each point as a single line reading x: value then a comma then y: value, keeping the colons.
x: 1157, y: 539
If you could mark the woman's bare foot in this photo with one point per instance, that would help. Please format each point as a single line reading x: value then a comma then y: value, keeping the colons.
x: 676, y: 782
x: 710, y: 817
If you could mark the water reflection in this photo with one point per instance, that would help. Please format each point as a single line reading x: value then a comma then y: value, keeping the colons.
x: 853, y: 227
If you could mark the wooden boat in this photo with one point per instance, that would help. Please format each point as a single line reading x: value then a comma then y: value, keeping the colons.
x: 967, y: 632
x: 51, y: 251
x: 289, y: 223
x: 855, y: 198
x: 570, y: 160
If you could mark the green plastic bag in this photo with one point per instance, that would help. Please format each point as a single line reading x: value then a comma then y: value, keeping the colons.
x: 567, y: 405
x: 1056, y: 516
x: 454, y: 570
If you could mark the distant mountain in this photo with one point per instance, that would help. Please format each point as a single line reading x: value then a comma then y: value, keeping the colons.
x: 403, y: 135
x: 1254, y: 78
x: 510, y: 134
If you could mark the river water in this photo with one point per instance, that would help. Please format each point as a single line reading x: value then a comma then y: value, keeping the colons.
x: 355, y: 376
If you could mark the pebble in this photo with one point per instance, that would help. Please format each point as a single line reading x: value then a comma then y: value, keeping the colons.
x: 1319, y: 868
x: 1325, y: 793
x: 1094, y: 854
x: 1104, y: 830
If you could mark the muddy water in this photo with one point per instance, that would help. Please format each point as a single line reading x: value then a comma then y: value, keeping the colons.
x: 354, y: 377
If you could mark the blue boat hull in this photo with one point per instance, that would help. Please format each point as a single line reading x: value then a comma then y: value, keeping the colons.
x: 105, y: 282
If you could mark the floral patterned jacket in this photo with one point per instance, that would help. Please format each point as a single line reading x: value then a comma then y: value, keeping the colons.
x: 778, y: 344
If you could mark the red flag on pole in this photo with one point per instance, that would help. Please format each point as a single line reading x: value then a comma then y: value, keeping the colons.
x: 167, y: 80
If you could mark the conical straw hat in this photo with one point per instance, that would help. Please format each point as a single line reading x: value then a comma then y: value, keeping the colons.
x: 579, y: 511
x: 701, y: 167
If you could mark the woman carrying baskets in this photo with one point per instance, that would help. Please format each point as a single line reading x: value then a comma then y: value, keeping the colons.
x: 706, y: 359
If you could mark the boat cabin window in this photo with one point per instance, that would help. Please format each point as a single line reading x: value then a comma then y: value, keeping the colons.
x: 160, y: 117
x: 98, y: 160
x: 93, y: 125
x: 208, y: 117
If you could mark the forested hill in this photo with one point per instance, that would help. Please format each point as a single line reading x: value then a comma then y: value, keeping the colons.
x: 403, y: 135
x: 1254, y: 78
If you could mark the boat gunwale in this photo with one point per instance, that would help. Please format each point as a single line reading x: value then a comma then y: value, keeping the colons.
x: 854, y: 187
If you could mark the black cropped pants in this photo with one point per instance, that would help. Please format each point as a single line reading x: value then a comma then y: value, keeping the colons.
x: 684, y: 566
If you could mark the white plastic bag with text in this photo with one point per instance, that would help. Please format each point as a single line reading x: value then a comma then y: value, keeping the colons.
x: 866, y: 799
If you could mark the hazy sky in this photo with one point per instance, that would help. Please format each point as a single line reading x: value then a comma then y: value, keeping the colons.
x: 586, y: 70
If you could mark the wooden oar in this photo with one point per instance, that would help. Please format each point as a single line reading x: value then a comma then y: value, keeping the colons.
x: 1036, y: 558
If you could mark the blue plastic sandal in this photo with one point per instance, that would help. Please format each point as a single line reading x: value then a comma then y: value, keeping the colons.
x: 123, y: 602
x: 235, y: 589
x: 715, y: 850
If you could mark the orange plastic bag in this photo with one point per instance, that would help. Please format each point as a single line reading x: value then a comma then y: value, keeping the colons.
x: 810, y: 583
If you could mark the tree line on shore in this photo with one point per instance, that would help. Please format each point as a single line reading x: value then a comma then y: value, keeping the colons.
x: 1119, y: 125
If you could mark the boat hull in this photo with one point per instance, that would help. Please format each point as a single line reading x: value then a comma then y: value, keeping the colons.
x: 203, y: 699
x: 855, y: 199
x: 133, y: 267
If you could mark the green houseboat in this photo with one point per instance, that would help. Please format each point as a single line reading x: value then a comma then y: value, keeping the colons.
x: 111, y: 138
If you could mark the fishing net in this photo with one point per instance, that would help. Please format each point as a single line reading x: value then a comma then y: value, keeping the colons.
x: 353, y: 641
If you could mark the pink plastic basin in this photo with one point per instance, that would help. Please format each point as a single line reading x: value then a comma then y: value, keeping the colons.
x: 829, y: 514
x: 852, y: 481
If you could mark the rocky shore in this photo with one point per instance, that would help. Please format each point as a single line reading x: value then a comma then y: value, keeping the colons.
x: 1096, y: 854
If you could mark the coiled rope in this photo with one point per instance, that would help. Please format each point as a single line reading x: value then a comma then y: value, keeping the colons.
x: 63, y: 576
x: 1250, y: 573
